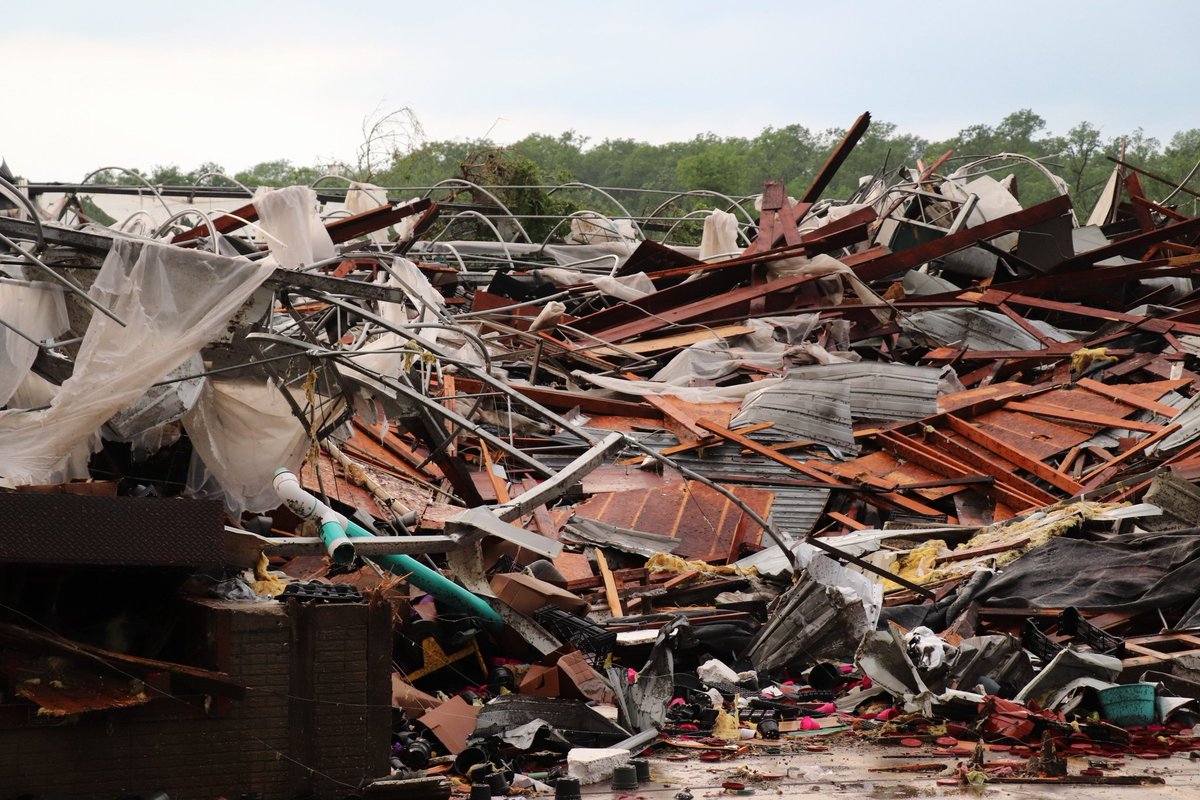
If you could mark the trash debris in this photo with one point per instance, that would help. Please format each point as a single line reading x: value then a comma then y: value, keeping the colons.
x: 419, y: 516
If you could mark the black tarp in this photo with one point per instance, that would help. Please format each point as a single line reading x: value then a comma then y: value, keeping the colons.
x: 1127, y: 572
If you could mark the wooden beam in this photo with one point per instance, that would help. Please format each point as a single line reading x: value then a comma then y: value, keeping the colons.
x: 226, y: 223
x: 836, y: 158
x: 1101, y: 475
x: 610, y: 584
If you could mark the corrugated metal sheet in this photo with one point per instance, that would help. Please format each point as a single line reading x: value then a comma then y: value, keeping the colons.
x: 706, y: 525
x: 817, y: 411
x: 881, y: 391
x: 1189, y: 425
x: 796, y: 509
x: 976, y: 329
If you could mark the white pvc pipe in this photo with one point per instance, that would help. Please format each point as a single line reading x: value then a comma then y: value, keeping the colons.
x: 301, y: 503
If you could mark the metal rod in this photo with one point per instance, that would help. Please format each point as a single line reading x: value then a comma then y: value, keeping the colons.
x: 62, y: 279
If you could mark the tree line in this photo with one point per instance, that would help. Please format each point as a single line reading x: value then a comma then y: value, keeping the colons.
x: 733, y: 165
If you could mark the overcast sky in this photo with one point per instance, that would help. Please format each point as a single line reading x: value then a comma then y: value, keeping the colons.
x: 104, y: 82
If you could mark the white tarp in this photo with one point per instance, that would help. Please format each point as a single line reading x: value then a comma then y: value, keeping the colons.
x: 36, y: 310
x: 173, y: 301
x: 719, y: 238
x: 241, y: 432
x: 427, y: 302
x: 295, y: 235
x: 363, y: 197
x: 626, y: 287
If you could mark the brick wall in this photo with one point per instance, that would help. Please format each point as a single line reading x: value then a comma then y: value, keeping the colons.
x: 315, y: 716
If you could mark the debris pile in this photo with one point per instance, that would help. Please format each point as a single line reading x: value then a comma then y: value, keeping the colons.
x: 915, y: 467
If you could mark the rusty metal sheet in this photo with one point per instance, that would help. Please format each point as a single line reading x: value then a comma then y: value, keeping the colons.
x: 1034, y: 436
x: 708, y: 526
x: 887, y: 467
x: 629, y: 478
x: 1089, y: 402
x: 79, y: 693
x: 62, y: 688
x: 970, y: 397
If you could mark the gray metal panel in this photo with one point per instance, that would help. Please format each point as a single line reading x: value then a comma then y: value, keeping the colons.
x: 881, y: 391
x: 818, y: 411
x: 977, y: 329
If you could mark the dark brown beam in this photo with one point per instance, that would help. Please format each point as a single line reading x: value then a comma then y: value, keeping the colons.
x: 1131, y: 246
x: 839, y: 155
x: 915, y: 256
x: 1152, y: 176
x: 226, y: 223
x: 347, y: 228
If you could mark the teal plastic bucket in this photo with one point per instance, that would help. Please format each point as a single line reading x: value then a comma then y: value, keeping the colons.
x: 1130, y: 705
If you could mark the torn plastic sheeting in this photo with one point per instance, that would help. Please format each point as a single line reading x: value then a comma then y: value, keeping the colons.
x: 608, y: 255
x: 241, y: 432
x: 364, y: 197
x: 522, y: 736
x: 549, y: 317
x: 591, y: 228
x: 294, y: 233
x: 822, y: 265
x: 1126, y: 572
x: 144, y: 423
x: 917, y: 283
x: 926, y: 649
x: 38, y: 311
x: 833, y: 213
x: 995, y: 200
x: 1110, y: 196
x: 379, y: 354
x: 173, y: 301
x: 626, y: 287
x: 718, y: 241
x: 771, y: 561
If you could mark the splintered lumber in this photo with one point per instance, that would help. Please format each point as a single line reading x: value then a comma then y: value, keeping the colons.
x: 610, y: 584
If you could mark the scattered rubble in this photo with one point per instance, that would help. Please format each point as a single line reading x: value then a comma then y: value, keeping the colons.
x: 349, y: 508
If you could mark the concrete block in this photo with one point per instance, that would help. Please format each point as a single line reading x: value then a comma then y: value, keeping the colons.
x: 595, y: 764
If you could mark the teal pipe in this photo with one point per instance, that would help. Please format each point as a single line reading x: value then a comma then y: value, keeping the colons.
x: 337, y: 532
x: 341, y: 549
x: 433, y: 582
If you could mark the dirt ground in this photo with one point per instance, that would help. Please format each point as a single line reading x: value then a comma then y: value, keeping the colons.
x: 843, y: 771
